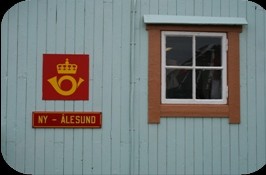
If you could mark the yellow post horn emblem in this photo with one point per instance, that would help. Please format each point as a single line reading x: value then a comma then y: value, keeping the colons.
x: 57, y: 85
x: 65, y: 69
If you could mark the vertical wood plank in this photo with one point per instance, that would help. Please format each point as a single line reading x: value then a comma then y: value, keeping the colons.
x: 162, y: 7
x: 233, y: 8
x: 207, y: 146
x: 225, y: 11
x: 125, y: 85
x: 4, y: 83
x: 162, y: 144
x: 171, y: 146
x: 171, y: 6
x: 30, y: 162
x: 260, y: 86
x: 207, y: 7
x: 134, y: 91
x: 97, y: 29
x: 198, y: 7
x: 225, y: 138
x: 234, y: 147
x: 153, y: 149
x: 180, y: 146
x: 242, y: 11
x: 181, y: 10
x: 251, y: 71
x: 154, y: 7
x: 189, y: 146
x: 198, y: 145
x: 216, y: 147
x: 50, y: 104
x: 12, y: 84
x: 22, y: 86
x: 116, y: 86
x: 40, y: 105
x: 107, y: 87
x: 216, y: 7
x: 88, y: 106
x: 135, y: 96
x: 190, y: 7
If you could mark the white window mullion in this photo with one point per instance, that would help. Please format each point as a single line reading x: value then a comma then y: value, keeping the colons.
x: 179, y: 67
x: 210, y: 68
x: 194, y: 68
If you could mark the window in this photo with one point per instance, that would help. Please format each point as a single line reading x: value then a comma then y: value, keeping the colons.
x: 193, y: 70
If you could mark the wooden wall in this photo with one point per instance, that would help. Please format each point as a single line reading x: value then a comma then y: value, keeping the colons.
x: 117, y: 46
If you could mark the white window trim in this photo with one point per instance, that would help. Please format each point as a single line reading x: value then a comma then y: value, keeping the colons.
x: 223, y: 67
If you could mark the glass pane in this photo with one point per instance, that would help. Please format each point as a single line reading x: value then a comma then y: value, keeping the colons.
x: 178, y: 51
x: 208, y: 51
x: 208, y: 84
x: 178, y: 84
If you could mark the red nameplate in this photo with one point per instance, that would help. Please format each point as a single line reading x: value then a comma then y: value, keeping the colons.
x: 66, y: 119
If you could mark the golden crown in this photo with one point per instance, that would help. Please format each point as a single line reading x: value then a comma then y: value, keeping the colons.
x: 66, y: 68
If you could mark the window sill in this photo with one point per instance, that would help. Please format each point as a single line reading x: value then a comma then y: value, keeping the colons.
x: 195, y: 111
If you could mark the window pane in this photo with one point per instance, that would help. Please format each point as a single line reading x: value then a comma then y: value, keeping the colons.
x: 208, y: 51
x: 209, y: 84
x: 178, y: 84
x: 178, y: 51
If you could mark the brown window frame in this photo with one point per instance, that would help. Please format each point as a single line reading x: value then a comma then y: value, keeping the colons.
x: 156, y: 109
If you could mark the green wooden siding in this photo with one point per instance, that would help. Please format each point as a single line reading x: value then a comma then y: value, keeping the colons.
x: 118, y: 49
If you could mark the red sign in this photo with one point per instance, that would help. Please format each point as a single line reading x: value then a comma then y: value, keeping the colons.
x: 65, y: 77
x: 66, y: 119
